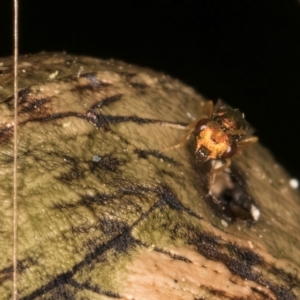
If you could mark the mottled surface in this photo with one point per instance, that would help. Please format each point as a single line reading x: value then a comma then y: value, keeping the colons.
x: 104, y: 213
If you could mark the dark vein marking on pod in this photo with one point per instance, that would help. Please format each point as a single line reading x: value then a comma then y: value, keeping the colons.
x: 155, y: 153
x: 213, y: 248
x: 37, y: 103
x: 6, y: 133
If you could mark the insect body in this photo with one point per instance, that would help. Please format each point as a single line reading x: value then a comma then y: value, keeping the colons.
x: 220, y: 135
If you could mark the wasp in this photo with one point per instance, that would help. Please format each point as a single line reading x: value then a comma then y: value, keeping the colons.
x: 219, y: 135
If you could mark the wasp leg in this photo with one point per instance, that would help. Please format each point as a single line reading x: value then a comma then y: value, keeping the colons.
x: 177, y: 126
x: 247, y: 142
x: 183, y: 141
x: 216, y: 170
x: 209, y: 108
x: 212, y: 179
x: 227, y: 163
x: 237, y: 131
x: 189, y: 128
x: 208, y: 111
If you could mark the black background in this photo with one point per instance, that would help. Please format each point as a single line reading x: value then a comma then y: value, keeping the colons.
x: 245, y: 52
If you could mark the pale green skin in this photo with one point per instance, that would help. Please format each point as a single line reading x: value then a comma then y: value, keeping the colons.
x: 73, y: 244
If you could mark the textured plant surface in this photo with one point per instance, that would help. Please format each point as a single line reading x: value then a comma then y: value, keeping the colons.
x: 104, y: 212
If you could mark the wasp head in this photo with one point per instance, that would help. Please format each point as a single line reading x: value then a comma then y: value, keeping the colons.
x: 212, y: 142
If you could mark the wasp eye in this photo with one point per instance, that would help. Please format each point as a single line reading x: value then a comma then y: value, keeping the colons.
x: 231, y: 150
x: 201, y: 125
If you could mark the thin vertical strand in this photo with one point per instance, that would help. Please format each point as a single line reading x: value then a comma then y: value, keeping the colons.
x: 15, y: 207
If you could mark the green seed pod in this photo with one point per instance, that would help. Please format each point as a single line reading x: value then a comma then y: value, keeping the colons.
x: 103, y: 212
